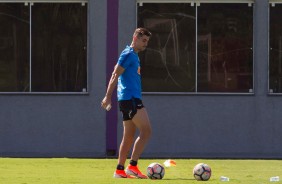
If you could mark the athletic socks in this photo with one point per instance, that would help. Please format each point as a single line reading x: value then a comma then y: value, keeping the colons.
x: 133, y: 162
x: 120, y: 167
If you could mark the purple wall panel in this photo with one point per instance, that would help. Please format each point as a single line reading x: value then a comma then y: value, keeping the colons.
x: 112, y: 56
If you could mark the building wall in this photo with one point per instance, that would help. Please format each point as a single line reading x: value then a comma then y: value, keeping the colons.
x: 191, y: 126
x: 61, y: 125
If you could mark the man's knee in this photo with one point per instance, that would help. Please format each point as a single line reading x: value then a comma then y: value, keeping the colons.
x: 146, y: 133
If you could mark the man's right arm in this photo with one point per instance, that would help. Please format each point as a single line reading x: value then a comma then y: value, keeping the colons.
x: 112, y: 85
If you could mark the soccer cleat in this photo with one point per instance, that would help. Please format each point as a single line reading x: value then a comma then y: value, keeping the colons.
x: 134, y: 171
x: 121, y: 174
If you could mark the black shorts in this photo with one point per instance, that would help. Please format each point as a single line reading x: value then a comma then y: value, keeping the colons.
x: 129, y: 108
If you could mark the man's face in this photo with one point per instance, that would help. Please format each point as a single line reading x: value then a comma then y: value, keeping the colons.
x: 141, y: 43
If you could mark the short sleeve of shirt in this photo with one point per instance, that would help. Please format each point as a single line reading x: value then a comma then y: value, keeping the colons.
x: 123, y: 59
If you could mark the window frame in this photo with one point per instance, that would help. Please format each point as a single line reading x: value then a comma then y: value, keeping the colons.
x: 30, y: 3
x: 269, y: 91
x: 198, y: 3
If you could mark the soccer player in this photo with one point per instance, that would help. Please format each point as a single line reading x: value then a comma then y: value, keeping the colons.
x: 126, y: 76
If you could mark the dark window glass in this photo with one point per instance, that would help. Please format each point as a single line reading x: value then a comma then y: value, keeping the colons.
x: 59, y: 40
x: 224, y: 48
x: 168, y: 64
x: 14, y: 47
x: 225, y: 39
x: 275, y: 53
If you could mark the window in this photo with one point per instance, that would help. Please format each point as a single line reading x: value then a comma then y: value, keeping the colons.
x: 225, y: 41
x: 275, y: 45
x: 43, y: 47
x: 14, y: 47
x: 203, y: 47
x: 168, y: 64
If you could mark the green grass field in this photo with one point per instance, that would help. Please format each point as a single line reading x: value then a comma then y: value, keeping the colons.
x: 100, y: 171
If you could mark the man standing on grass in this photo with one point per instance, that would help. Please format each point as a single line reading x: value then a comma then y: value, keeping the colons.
x: 126, y: 75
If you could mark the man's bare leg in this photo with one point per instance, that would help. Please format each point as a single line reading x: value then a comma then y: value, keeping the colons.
x: 129, y: 130
x: 142, y: 122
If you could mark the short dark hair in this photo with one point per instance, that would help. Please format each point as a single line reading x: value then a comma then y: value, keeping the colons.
x: 139, y: 32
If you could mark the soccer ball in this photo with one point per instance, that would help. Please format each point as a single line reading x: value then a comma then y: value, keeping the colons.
x: 155, y: 171
x: 202, y: 172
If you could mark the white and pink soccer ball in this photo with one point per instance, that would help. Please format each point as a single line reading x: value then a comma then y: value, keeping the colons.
x: 202, y: 172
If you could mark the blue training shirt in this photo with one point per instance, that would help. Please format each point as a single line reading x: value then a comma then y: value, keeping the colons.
x: 129, y: 82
